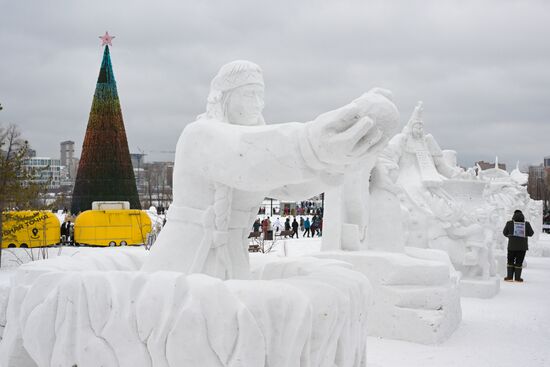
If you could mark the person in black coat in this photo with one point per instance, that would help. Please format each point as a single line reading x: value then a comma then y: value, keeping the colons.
x: 294, y: 228
x: 256, y: 226
x: 517, y: 230
x: 287, y: 224
x: 65, y: 232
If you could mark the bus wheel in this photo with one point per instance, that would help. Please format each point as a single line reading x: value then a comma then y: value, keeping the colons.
x: 24, y: 245
x: 12, y: 245
x: 112, y: 243
x: 123, y: 243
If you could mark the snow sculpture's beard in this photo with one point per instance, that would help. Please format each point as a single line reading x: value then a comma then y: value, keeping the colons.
x: 244, y: 105
x: 414, y: 144
x: 417, y: 134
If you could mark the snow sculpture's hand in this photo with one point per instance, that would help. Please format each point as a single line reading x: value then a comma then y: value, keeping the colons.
x: 340, y: 138
x: 350, y: 137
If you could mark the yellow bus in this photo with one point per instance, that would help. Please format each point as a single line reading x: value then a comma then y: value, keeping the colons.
x: 30, y: 228
x: 116, y: 227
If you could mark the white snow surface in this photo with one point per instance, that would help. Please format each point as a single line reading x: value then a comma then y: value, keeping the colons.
x: 541, y: 247
x: 510, y: 330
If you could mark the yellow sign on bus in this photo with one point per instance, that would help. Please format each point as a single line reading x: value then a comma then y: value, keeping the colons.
x: 30, y: 229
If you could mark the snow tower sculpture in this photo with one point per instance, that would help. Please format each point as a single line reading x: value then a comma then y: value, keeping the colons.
x: 105, y: 170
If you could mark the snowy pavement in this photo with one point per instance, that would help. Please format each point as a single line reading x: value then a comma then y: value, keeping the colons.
x: 509, y: 330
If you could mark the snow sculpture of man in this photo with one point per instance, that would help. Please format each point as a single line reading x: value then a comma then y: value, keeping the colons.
x: 435, y: 218
x: 229, y: 160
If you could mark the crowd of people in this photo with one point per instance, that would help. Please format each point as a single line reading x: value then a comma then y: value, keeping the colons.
x: 308, y: 226
x: 302, y: 209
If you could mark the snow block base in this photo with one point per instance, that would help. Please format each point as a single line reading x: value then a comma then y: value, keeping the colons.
x: 99, y: 310
x: 500, y: 257
x: 480, y: 288
x: 415, y: 299
x: 4, y: 294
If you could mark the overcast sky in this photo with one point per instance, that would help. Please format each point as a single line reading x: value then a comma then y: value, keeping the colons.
x: 482, y: 68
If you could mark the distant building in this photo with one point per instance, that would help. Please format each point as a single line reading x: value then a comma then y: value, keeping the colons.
x: 547, y: 162
x: 46, y: 171
x: 537, y: 185
x: 138, y: 164
x: 66, y: 157
x: 31, y: 153
x: 487, y: 165
x: 154, y: 182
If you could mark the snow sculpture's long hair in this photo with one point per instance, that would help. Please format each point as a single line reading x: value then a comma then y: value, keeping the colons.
x: 231, y: 76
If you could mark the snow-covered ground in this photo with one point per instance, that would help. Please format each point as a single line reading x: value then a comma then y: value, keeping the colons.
x: 510, y: 330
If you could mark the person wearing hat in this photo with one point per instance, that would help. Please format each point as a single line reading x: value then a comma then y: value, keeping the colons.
x: 517, y: 230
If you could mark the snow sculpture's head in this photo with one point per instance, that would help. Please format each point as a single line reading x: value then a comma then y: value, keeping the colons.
x: 237, y: 94
x: 415, y: 126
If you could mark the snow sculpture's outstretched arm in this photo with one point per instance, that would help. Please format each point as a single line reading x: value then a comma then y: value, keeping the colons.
x: 264, y: 158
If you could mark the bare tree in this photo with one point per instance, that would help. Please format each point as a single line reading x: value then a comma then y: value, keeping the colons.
x: 16, y: 190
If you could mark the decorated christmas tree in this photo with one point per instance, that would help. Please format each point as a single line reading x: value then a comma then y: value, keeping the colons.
x: 105, y: 170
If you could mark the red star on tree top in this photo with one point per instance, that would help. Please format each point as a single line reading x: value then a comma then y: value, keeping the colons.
x: 106, y: 39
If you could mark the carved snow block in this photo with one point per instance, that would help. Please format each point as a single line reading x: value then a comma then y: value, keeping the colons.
x: 415, y: 299
x: 480, y: 288
x: 500, y: 257
x: 98, y: 310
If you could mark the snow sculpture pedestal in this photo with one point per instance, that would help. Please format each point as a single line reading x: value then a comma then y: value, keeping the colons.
x: 414, y: 299
x: 480, y: 288
x: 486, y: 283
x: 98, y: 310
